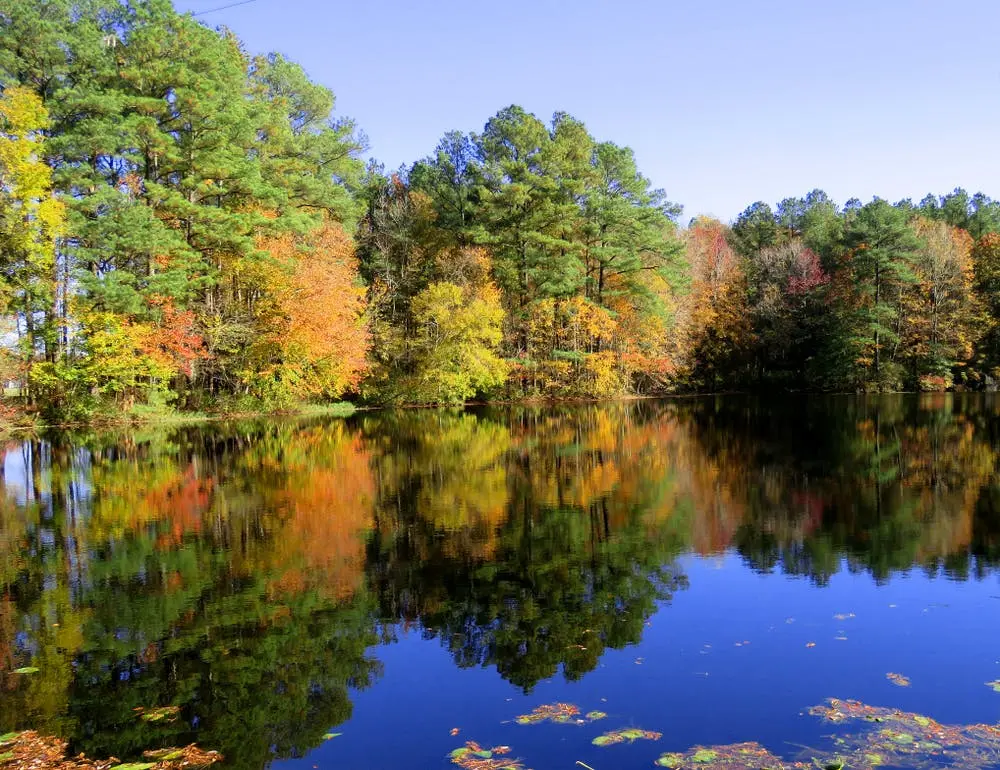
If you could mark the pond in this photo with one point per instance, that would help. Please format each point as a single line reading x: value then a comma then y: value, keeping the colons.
x: 686, y: 581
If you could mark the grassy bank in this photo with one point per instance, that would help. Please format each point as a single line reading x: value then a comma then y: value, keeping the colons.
x: 14, y: 420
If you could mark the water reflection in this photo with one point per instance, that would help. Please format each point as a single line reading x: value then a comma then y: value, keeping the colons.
x: 248, y: 572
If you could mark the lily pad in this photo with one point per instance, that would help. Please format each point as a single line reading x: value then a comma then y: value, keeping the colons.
x: 704, y: 756
x: 670, y: 759
x: 593, y: 716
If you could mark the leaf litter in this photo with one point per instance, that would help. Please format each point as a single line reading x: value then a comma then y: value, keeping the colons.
x: 29, y: 749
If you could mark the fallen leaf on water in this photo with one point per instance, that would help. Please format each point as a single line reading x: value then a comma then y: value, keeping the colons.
x: 329, y: 736
x: 844, y: 616
x: 898, y: 679
x: 454, y: 731
x: 810, y: 644
x: 995, y: 684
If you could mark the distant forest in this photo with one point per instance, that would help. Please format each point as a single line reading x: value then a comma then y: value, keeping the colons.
x: 184, y: 225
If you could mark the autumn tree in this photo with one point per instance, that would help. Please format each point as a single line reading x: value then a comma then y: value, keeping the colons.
x: 32, y: 219
x: 941, y: 314
x: 311, y: 337
x: 713, y: 323
x: 986, y: 274
x: 454, y: 348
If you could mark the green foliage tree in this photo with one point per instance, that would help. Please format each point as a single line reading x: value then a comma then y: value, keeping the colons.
x: 878, y: 268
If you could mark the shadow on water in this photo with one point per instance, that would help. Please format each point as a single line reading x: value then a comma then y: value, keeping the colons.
x: 248, y: 573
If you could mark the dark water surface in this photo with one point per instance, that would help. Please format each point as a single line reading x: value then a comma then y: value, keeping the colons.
x: 707, y: 569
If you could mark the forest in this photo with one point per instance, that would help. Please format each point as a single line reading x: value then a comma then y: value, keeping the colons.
x: 186, y: 225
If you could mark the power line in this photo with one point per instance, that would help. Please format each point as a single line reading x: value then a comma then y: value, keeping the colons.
x: 224, y: 7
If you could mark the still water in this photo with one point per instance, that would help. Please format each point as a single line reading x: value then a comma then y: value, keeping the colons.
x: 376, y: 592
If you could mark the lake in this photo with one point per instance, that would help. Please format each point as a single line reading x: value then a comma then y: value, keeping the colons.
x: 686, y: 581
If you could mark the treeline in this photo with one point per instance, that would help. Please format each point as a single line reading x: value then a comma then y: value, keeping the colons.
x: 184, y: 222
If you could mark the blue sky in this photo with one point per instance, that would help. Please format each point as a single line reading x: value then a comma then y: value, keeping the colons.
x: 724, y: 102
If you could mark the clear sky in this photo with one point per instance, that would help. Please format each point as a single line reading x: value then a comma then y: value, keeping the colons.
x: 724, y: 102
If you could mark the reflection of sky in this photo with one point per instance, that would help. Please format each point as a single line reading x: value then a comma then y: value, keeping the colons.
x: 15, y: 474
x: 19, y: 487
x: 694, y: 677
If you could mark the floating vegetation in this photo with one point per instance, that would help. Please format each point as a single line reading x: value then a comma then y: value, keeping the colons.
x: 735, y: 756
x: 563, y: 713
x: 626, y: 735
x: 331, y: 736
x: 891, y: 737
x: 560, y: 713
x: 898, y: 679
x: 905, y: 739
x: 29, y: 749
x: 472, y: 756
x: 844, y: 616
x: 160, y: 714
x: 995, y: 684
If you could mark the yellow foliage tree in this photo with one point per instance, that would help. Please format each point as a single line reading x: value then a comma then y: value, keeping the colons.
x: 456, y: 338
x: 941, y: 315
x: 31, y: 221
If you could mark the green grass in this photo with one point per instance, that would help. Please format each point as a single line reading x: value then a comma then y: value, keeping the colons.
x: 339, y: 409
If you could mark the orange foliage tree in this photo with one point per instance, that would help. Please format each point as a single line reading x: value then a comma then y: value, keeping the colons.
x: 713, y: 325
x: 313, y: 332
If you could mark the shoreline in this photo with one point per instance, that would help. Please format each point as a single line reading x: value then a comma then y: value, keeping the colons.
x: 344, y: 409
